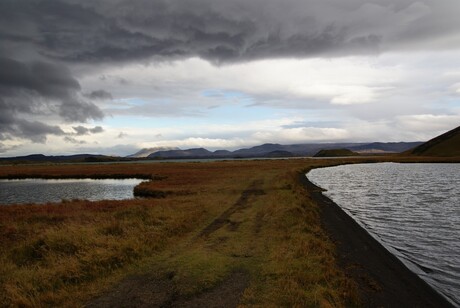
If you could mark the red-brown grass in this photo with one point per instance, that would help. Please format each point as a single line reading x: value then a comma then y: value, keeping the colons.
x: 66, y: 253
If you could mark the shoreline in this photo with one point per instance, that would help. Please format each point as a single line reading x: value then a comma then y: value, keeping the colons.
x: 382, y: 279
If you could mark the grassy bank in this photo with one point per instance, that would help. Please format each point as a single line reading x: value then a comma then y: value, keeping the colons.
x: 213, y: 220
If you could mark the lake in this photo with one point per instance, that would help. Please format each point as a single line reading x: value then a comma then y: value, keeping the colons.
x: 412, y: 209
x: 43, y: 191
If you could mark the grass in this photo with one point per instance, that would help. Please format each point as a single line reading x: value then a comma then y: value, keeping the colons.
x: 66, y: 253
x: 47, y: 260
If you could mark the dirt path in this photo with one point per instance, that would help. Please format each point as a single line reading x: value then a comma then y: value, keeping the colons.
x: 160, y: 290
x: 151, y: 291
x: 255, y: 189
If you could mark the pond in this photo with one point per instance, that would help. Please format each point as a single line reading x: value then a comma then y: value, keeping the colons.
x: 55, y: 190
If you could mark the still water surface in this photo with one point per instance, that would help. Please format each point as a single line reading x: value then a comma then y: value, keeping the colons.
x: 42, y: 191
x: 412, y: 209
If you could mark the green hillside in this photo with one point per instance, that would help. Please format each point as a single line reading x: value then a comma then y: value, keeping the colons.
x: 447, y: 144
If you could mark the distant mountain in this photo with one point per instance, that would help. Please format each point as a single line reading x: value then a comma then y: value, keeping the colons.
x: 222, y: 153
x: 260, y: 149
x: 278, y: 150
x: 190, y: 153
x: 146, y: 152
x: 279, y: 153
x: 40, y: 158
x: 308, y: 149
x: 447, y: 144
x: 335, y: 153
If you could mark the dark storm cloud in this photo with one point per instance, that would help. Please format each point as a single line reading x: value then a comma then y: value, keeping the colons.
x: 220, y: 30
x: 28, y: 86
x: 44, y: 79
x: 36, y: 131
x: 10, y: 127
x: 77, y: 110
x: 36, y: 88
x: 42, y: 42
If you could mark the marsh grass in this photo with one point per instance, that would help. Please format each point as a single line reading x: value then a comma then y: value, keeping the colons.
x: 64, y: 254
x: 46, y: 261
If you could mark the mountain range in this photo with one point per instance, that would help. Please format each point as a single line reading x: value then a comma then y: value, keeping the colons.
x: 279, y: 150
x: 265, y: 150
x: 445, y: 145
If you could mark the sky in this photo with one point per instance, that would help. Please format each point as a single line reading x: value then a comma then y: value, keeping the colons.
x: 114, y: 76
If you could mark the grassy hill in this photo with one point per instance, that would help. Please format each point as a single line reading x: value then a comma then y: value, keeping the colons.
x: 447, y: 145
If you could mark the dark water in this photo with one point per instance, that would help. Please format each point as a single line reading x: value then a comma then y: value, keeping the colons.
x: 42, y: 191
x: 412, y: 209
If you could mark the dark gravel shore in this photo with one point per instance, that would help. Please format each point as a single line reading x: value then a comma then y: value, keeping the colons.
x: 383, y: 280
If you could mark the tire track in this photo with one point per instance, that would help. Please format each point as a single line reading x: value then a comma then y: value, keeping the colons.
x: 255, y: 189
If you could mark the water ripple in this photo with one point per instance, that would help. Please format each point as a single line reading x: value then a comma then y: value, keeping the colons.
x: 413, y: 209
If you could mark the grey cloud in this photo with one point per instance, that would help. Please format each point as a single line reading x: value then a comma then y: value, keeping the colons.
x: 223, y: 31
x: 44, y: 79
x: 35, y: 131
x: 32, y: 86
x: 4, y: 148
x: 76, y: 110
x: 81, y: 130
x: 28, y: 86
x: 100, y: 94
x: 96, y: 130
x: 73, y: 140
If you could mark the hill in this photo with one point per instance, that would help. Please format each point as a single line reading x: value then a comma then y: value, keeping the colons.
x: 335, y: 153
x: 445, y: 145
